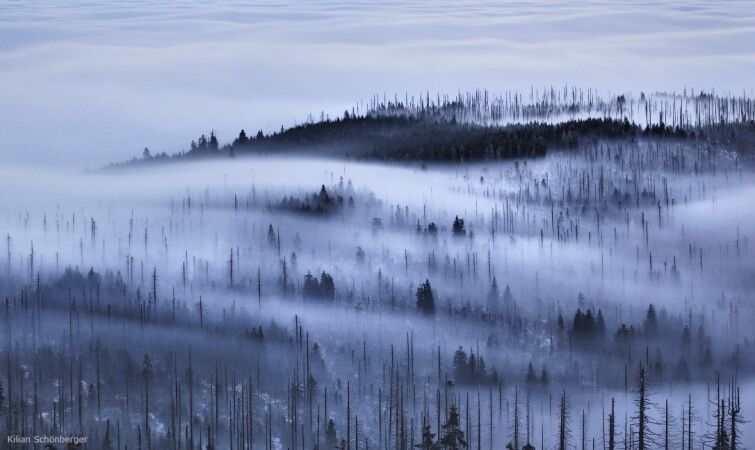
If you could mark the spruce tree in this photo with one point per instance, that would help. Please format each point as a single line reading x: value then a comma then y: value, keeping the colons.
x: 425, y: 300
x: 458, y: 227
x: 453, y: 437
x: 530, y: 378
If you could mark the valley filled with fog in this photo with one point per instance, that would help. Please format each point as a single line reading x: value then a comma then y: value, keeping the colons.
x: 349, y: 225
x: 295, y: 302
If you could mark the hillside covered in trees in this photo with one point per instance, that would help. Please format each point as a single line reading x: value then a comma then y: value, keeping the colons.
x: 306, y: 225
x: 599, y: 294
x: 413, y: 139
x: 479, y: 127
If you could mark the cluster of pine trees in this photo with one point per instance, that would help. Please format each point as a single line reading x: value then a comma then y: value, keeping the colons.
x: 323, y: 289
x: 204, y: 144
x: 471, y: 369
x: 587, y: 329
x: 321, y: 203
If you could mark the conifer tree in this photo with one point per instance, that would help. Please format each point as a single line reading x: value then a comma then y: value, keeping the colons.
x: 425, y: 300
x: 327, y: 286
x: 453, y: 436
x: 650, y: 327
x: 544, y: 379
x: 242, y: 140
x: 458, y: 227
x: 271, y: 240
x: 530, y: 378
x: 428, y: 439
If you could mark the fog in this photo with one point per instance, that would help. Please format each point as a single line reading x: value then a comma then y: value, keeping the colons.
x: 586, y: 280
x: 87, y: 83
x: 203, y: 267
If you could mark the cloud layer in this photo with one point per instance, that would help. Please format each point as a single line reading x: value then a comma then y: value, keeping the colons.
x: 92, y: 82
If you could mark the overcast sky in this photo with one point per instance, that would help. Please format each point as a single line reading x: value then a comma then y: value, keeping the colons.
x: 92, y: 82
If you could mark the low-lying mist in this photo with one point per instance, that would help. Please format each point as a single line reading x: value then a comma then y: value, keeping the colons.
x: 251, y: 301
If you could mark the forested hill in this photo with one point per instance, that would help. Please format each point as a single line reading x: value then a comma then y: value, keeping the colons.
x: 397, y: 138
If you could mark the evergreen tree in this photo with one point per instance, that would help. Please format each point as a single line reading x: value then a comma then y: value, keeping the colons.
x: 544, y: 379
x: 284, y: 276
x: 508, y: 300
x: 425, y: 301
x: 460, y: 365
x: 213, y: 143
x: 600, y: 326
x: 271, y: 236
x: 311, y: 288
x: 453, y: 437
x: 589, y: 323
x: 530, y: 378
x: 327, y: 286
x: 480, y: 368
x: 242, y: 140
x: 428, y: 439
x: 650, y: 327
x: 323, y: 197
x: 458, y: 227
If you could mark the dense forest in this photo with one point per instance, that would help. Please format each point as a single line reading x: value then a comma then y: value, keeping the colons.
x: 398, y: 138
x: 476, y: 128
